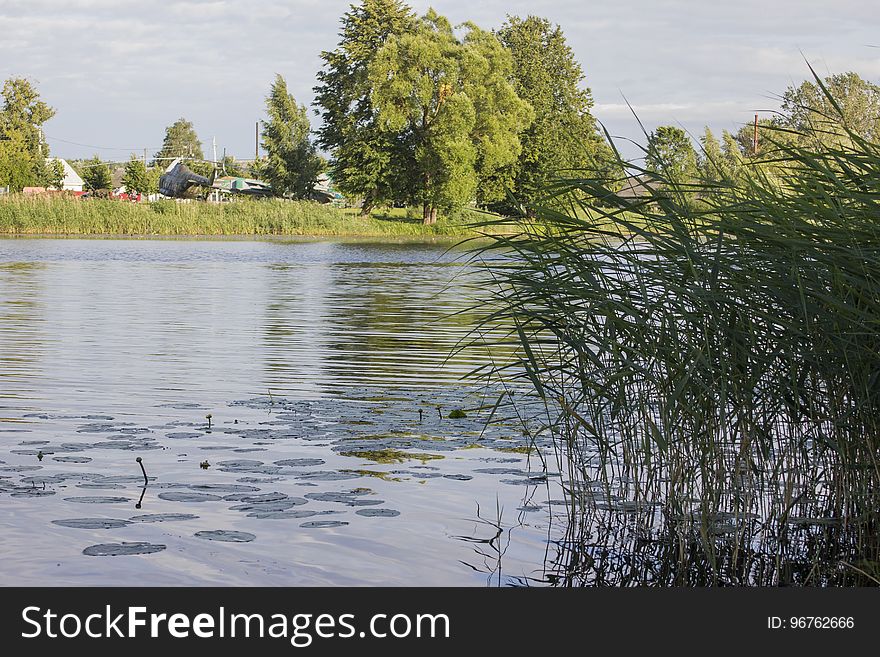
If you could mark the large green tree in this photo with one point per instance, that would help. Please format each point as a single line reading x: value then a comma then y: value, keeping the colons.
x: 137, y: 178
x: 808, y: 109
x: 366, y: 160
x: 671, y: 154
x: 719, y: 161
x: 564, y: 136
x: 292, y: 166
x: 95, y: 174
x: 454, y: 107
x: 180, y: 140
x: 23, y: 151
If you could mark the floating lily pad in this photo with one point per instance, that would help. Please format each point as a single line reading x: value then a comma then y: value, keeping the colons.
x: 323, y: 523
x: 182, y: 496
x: 32, y: 492
x: 226, y: 536
x: 377, y: 513
x: 327, y: 475
x: 267, y: 507
x: 71, y: 459
x: 121, y: 549
x: 282, y: 515
x: 300, y: 463
x: 458, y: 477
x: 97, y: 500
x: 183, y: 435
x: 91, y: 523
x: 163, y: 517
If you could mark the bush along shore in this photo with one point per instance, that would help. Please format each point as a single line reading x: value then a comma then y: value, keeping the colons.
x: 21, y: 215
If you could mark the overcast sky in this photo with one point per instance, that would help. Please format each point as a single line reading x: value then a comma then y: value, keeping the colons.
x: 119, y: 71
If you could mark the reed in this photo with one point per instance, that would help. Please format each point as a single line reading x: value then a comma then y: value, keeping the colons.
x: 68, y: 216
x: 710, y: 371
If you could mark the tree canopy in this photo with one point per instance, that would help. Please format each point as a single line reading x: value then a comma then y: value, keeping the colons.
x: 137, y: 179
x: 366, y: 159
x: 293, y: 165
x: 564, y: 136
x: 671, y: 155
x: 180, y: 140
x: 95, y: 174
x: 453, y: 107
x: 23, y: 152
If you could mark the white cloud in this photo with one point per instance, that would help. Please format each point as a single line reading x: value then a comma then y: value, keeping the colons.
x: 118, y: 71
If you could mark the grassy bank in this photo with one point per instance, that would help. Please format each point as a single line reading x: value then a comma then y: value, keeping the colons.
x: 61, y: 216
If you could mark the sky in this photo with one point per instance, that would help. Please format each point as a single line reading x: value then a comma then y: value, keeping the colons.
x: 119, y: 71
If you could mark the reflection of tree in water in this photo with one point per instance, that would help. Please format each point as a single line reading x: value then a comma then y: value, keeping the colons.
x: 22, y: 338
x: 294, y: 325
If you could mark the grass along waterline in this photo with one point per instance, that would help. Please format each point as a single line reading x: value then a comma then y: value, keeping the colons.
x: 64, y: 216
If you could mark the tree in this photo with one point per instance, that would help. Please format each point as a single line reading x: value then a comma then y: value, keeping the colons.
x: 54, y: 174
x: 807, y: 109
x: 22, y: 150
x: 564, y: 135
x: 16, y: 162
x: 137, y: 179
x: 230, y: 167
x: 292, y: 166
x: 671, y: 155
x: 366, y: 161
x: 428, y: 87
x: 96, y: 174
x: 180, y: 140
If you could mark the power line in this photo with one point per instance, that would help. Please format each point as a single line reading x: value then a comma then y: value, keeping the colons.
x: 100, y: 148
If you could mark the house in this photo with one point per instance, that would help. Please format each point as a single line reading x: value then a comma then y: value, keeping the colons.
x: 71, y: 181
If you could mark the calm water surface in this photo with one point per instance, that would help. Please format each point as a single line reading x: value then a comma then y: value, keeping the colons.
x: 313, y: 360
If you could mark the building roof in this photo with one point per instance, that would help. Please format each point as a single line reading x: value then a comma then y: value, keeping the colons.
x: 71, y: 177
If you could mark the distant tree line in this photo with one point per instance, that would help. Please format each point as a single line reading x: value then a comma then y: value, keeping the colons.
x: 416, y: 111
x: 807, y: 117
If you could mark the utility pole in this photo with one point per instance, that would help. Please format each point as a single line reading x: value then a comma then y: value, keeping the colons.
x: 214, y: 149
x: 256, y: 141
x: 755, y: 137
x: 145, y: 158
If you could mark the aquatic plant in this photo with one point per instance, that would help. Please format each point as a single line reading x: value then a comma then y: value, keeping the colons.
x: 140, y: 462
x: 710, y: 370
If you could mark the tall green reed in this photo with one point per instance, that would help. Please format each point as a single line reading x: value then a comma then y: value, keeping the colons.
x: 708, y: 358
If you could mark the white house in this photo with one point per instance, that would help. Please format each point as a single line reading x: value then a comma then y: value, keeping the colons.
x: 72, y: 182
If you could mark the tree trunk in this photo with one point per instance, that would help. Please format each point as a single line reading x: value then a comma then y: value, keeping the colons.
x: 367, y: 207
x: 429, y: 214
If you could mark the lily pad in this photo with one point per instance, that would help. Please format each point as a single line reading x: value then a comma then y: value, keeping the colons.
x: 226, y: 536
x: 97, y: 500
x: 314, y: 524
x: 91, y: 523
x: 121, y: 549
x: 378, y: 513
x: 300, y: 463
x: 163, y: 517
x: 181, y: 496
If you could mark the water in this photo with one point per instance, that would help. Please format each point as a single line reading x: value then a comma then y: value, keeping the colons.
x: 313, y: 359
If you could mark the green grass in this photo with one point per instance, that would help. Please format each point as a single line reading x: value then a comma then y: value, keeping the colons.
x: 710, y: 372
x: 66, y: 216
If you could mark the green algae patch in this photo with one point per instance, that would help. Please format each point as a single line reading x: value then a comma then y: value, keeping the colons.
x: 389, y: 456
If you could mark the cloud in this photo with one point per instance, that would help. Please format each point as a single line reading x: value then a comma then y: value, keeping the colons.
x: 119, y: 71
